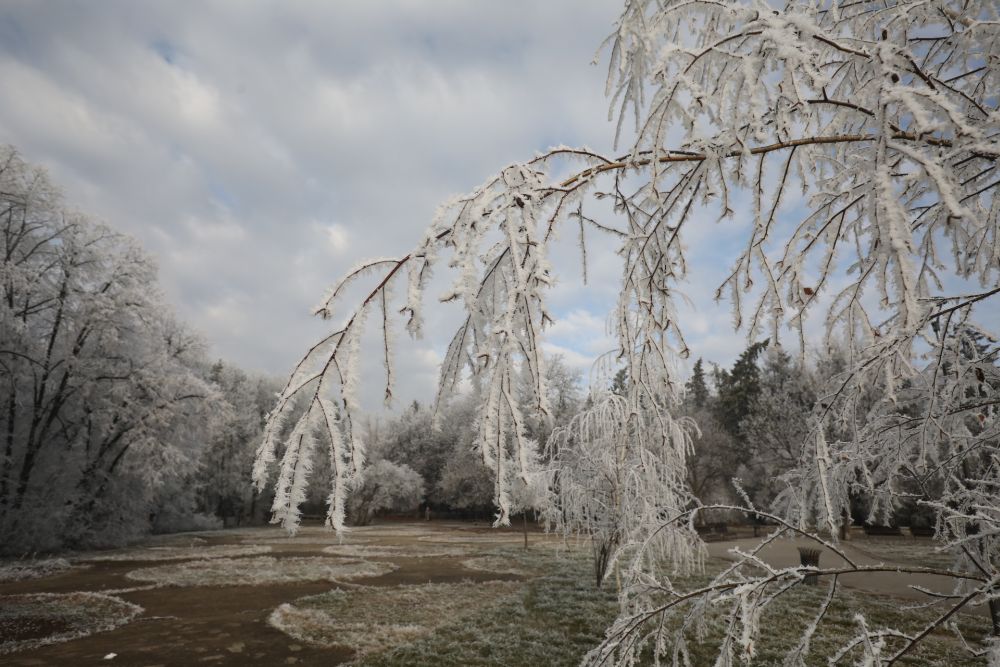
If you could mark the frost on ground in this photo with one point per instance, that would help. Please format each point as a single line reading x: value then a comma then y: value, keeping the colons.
x: 499, y: 538
x: 177, y: 553
x: 258, y: 571
x: 297, y: 541
x: 29, y: 621
x: 390, y: 530
x: 497, y: 565
x: 408, y: 551
x: 33, y: 569
x: 372, y: 619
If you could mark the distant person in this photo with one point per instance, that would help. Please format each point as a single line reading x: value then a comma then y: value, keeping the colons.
x: 427, y: 513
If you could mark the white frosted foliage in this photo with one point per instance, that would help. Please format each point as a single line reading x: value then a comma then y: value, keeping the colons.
x: 858, y: 142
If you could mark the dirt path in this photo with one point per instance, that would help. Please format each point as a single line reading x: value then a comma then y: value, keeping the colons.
x: 227, y: 625
x: 784, y: 553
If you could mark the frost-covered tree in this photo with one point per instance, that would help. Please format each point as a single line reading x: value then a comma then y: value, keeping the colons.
x: 101, y: 403
x: 427, y: 441
x: 710, y: 464
x: 883, y: 115
x: 563, y: 384
x: 385, y: 485
x: 777, y: 424
x: 465, y: 484
x: 223, y: 476
x: 614, y: 475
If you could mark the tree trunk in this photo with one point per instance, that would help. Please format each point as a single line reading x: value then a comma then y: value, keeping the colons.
x: 524, y: 524
x: 27, y: 464
x: 8, y: 460
x: 995, y: 616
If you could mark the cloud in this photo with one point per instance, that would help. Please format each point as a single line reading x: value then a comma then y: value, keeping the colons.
x: 257, y: 151
x: 338, y: 238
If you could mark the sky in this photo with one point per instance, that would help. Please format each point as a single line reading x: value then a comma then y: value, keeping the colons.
x: 259, y: 150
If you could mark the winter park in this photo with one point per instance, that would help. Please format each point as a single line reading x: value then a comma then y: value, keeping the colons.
x: 635, y: 332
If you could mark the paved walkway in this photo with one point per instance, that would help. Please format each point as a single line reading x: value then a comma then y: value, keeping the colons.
x: 784, y: 553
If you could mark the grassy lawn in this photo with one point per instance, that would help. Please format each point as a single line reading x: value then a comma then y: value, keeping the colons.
x: 785, y: 620
x: 257, y: 571
x: 490, y: 603
x: 554, y: 618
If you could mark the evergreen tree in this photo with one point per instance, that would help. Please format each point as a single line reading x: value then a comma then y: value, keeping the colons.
x: 619, y: 384
x: 738, y: 389
x: 777, y: 423
x: 697, y: 388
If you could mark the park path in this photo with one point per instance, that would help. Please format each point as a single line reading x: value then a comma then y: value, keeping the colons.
x: 784, y: 553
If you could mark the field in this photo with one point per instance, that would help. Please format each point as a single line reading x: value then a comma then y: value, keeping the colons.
x: 393, y: 594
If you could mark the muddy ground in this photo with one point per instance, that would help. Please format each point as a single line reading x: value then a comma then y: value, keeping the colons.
x: 227, y: 624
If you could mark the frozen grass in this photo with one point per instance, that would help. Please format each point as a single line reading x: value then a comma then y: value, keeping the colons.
x: 497, y: 565
x: 785, y: 620
x: 320, y: 535
x: 17, y: 570
x: 331, y: 540
x: 391, y: 531
x: 408, y: 551
x: 29, y: 621
x: 499, y: 538
x: 371, y: 619
x: 555, y: 618
x: 258, y: 571
x: 177, y: 553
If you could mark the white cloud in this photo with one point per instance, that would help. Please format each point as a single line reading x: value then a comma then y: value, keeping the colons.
x: 338, y: 238
x: 219, y: 134
x: 258, y: 150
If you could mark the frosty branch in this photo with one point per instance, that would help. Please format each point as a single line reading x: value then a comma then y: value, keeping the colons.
x: 883, y: 116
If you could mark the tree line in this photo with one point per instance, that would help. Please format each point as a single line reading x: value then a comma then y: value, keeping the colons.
x: 113, y: 422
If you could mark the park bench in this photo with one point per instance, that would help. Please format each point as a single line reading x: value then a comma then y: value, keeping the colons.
x: 883, y: 531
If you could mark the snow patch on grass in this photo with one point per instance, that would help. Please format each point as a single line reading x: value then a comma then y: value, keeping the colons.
x: 177, y: 553
x: 258, y: 571
x: 298, y: 542
x: 392, y: 531
x: 497, y: 565
x: 500, y: 538
x: 30, y: 621
x: 18, y: 570
x: 408, y: 551
x: 372, y: 619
